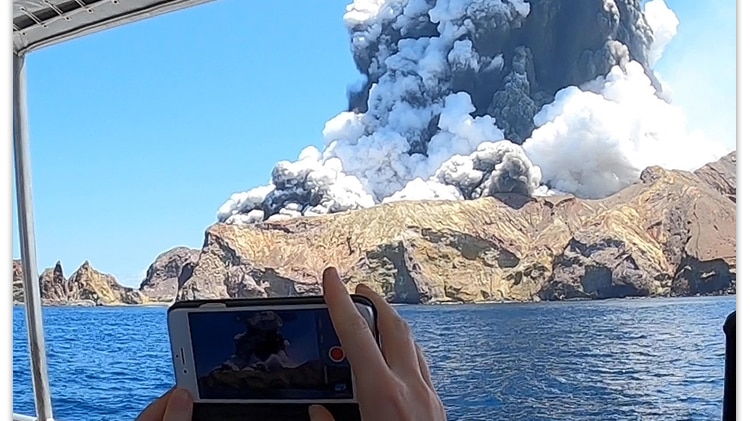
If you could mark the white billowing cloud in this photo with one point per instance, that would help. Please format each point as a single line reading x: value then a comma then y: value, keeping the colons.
x: 419, y: 189
x: 663, y: 22
x: 592, y: 142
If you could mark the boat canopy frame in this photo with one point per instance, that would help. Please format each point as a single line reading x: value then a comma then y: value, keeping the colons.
x: 38, y: 24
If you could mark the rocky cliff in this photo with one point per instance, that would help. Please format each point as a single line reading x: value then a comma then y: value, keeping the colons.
x: 722, y: 175
x: 163, y: 276
x: 17, y: 281
x: 671, y: 234
x: 87, y: 287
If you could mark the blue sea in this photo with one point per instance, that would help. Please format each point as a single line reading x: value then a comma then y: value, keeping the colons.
x: 638, y: 359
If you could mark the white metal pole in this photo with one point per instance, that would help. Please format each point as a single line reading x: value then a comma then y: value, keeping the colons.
x: 32, y: 295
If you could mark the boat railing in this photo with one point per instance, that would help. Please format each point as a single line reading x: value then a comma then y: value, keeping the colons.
x: 37, y: 25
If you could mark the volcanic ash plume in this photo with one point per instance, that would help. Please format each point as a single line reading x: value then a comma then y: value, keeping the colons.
x: 462, y: 99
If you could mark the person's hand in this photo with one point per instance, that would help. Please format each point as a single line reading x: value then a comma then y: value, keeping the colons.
x: 392, y: 384
x: 175, y: 405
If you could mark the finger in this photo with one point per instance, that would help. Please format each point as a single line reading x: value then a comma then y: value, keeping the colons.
x: 424, y: 369
x: 179, y: 407
x: 155, y: 410
x: 395, y: 337
x: 319, y: 413
x: 356, y: 337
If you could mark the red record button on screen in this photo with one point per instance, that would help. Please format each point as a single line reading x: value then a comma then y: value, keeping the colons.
x: 336, y: 354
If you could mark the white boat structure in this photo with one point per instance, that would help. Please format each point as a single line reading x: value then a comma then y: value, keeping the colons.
x: 38, y: 24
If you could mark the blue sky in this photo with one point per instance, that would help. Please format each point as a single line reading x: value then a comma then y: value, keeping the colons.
x: 140, y: 133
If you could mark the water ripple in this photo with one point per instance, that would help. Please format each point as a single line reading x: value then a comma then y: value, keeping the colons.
x: 608, y: 360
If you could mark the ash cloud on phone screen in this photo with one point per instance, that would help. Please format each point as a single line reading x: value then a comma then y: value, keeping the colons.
x: 280, y: 354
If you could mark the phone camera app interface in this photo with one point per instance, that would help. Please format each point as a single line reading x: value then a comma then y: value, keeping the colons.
x: 279, y: 354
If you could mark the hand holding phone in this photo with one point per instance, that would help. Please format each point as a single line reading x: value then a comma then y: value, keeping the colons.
x: 262, y: 351
x: 390, y: 378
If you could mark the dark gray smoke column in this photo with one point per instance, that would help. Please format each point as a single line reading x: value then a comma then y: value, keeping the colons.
x: 519, y: 63
x: 470, y: 98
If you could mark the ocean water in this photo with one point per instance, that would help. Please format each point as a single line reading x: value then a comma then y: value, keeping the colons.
x: 643, y: 359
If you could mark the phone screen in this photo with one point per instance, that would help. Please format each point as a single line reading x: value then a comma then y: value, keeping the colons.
x: 283, y: 354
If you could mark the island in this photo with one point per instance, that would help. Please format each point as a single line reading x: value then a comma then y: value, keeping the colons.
x: 671, y: 234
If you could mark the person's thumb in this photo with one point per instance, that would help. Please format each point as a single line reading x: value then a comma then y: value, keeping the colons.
x: 155, y: 410
x: 318, y: 413
x: 179, y: 407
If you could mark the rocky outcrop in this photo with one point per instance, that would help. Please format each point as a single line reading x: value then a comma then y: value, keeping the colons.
x: 722, y: 175
x: 86, y: 287
x: 673, y: 233
x: 101, y: 288
x: 17, y: 281
x: 162, y: 277
x: 54, y: 286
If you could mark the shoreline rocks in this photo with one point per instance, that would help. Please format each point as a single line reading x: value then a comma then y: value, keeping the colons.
x: 163, y: 275
x: 86, y: 287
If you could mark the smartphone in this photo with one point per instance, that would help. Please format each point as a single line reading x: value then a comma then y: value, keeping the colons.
x: 262, y: 351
